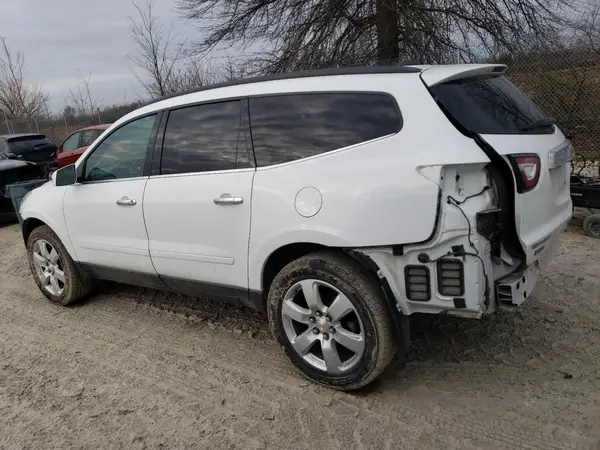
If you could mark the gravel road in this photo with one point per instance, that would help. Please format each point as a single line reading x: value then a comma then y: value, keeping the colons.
x: 133, y: 368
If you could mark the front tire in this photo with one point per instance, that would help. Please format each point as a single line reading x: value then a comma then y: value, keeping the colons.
x: 53, y: 268
x: 332, y: 320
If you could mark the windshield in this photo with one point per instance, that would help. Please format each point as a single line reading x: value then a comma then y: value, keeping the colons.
x: 491, y: 105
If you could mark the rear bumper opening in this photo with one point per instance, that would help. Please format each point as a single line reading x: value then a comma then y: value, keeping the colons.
x: 467, y: 286
x: 465, y: 269
x: 514, y: 289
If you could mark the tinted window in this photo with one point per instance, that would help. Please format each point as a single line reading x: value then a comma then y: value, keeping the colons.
x: 72, y: 143
x: 205, y: 138
x: 89, y: 136
x: 28, y: 143
x: 123, y: 153
x: 490, y: 106
x: 289, y: 127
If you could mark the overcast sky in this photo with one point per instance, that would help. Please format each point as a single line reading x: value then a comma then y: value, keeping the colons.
x: 61, y: 37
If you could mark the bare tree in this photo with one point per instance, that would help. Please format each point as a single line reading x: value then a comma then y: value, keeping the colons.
x: 82, y: 101
x: 232, y: 69
x: 167, y: 67
x: 192, y: 73
x: 159, y: 53
x: 69, y: 112
x: 306, y: 34
x: 17, y: 100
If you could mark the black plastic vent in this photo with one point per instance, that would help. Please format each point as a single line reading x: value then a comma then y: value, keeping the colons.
x: 450, y: 277
x: 418, y: 283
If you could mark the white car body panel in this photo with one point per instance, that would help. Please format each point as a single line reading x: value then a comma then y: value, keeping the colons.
x: 45, y: 204
x: 383, y: 204
x: 367, y: 198
x: 104, y: 233
x: 191, y: 237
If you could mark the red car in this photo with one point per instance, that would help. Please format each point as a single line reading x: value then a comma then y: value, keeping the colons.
x: 71, y: 149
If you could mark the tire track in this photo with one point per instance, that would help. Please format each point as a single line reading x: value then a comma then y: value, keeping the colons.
x: 105, y: 328
x: 154, y: 378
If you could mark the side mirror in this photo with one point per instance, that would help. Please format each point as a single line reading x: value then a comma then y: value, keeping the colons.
x: 65, y: 176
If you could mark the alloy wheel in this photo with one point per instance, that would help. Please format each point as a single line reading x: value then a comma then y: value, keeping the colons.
x: 49, y: 267
x: 323, y: 326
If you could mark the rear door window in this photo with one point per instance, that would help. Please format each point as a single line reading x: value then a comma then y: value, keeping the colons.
x: 72, y: 143
x: 490, y: 105
x: 290, y: 127
x: 205, y: 138
x: 89, y: 136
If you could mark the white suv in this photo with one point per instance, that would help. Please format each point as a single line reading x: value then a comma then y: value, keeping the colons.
x: 339, y: 202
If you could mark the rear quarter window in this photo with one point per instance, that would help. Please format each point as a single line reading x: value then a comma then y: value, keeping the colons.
x: 290, y: 127
x: 490, y: 105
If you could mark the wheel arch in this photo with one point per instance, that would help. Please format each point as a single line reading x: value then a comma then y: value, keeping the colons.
x: 285, y: 254
x: 401, y: 320
x: 33, y: 221
x: 280, y: 258
x: 29, y: 225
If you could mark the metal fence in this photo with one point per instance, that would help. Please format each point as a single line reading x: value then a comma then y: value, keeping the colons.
x: 565, y: 84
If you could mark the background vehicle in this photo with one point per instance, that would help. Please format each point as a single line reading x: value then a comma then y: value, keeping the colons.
x: 14, y: 171
x: 585, y: 193
x: 339, y: 202
x: 33, y: 147
x: 74, y: 146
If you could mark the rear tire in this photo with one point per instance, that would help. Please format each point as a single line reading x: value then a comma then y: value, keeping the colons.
x: 331, y: 318
x: 54, y: 270
x: 591, y: 226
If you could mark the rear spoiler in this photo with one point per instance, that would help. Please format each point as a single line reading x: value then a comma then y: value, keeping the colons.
x: 441, y: 74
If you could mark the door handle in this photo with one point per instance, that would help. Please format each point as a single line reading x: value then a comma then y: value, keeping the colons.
x: 227, y: 199
x: 126, y: 201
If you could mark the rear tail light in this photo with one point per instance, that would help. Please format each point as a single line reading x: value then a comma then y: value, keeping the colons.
x: 527, y: 171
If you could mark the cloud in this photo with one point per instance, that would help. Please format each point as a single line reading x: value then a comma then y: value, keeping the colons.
x: 62, y: 85
x: 62, y: 38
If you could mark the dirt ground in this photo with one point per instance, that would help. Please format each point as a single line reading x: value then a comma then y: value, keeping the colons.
x: 134, y: 368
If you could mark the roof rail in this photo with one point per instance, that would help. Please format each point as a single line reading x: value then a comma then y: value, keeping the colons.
x: 292, y: 75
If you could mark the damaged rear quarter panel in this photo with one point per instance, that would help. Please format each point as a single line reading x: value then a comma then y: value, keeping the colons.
x: 465, y: 190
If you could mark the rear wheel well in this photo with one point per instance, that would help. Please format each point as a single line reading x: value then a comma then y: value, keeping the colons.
x: 29, y: 225
x: 281, y: 258
x: 291, y: 252
x: 288, y: 253
x: 285, y: 255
